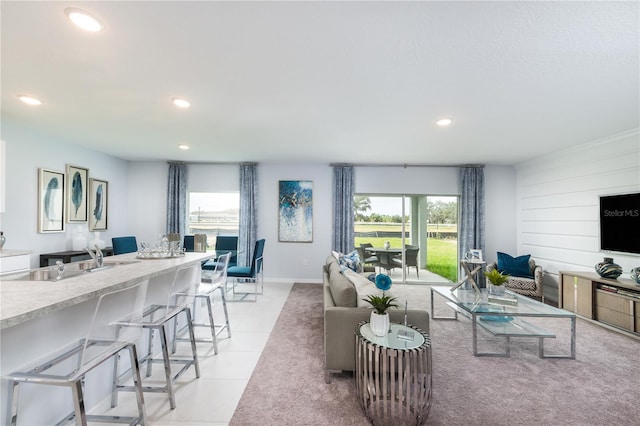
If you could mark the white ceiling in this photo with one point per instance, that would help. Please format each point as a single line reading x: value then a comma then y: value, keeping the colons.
x: 359, y: 82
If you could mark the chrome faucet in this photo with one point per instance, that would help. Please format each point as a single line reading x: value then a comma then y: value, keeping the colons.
x: 97, y: 257
x: 60, y: 266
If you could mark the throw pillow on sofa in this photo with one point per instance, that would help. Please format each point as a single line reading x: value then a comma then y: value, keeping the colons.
x: 352, y: 261
x: 514, y: 266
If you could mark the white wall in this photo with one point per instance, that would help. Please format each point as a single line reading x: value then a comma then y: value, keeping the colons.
x: 500, y: 211
x: 147, y: 199
x: 137, y: 199
x: 27, y: 151
x: 558, y: 204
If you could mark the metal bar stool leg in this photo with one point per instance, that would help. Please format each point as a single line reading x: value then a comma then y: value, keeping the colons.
x: 192, y: 336
x: 12, y: 403
x: 167, y: 366
x: 115, y: 379
x: 226, y: 312
x: 137, y: 382
x: 212, y: 325
x: 78, y: 402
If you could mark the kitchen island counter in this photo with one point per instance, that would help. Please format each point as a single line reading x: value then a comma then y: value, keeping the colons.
x: 23, y: 300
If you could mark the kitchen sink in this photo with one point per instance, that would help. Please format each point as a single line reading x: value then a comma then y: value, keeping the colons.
x: 74, y: 269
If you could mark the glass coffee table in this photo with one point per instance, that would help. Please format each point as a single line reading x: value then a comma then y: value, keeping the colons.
x: 393, y: 375
x: 503, y: 317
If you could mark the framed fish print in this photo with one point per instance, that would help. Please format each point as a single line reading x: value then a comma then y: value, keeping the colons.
x: 77, y: 187
x: 98, y: 202
x: 51, y: 201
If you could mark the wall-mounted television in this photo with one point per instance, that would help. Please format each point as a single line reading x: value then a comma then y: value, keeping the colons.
x: 620, y: 223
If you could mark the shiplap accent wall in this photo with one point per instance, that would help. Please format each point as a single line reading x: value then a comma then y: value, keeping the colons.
x: 558, y: 204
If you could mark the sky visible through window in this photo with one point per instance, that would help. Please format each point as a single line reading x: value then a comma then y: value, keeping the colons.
x: 392, y: 205
x: 213, y: 202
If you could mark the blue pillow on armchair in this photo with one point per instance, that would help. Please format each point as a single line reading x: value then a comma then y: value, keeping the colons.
x: 514, y: 266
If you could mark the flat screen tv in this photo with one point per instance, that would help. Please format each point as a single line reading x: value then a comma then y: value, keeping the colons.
x: 620, y: 223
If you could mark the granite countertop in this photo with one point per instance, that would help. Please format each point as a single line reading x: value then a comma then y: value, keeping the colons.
x: 10, y: 252
x: 22, y: 299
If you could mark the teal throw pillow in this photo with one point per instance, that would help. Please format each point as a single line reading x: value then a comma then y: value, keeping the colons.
x: 514, y: 266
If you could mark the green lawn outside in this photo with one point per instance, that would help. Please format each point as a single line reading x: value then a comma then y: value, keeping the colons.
x: 442, y: 257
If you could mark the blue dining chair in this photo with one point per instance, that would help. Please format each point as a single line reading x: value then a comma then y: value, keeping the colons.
x: 251, y: 273
x: 223, y: 243
x: 228, y: 243
x: 122, y: 245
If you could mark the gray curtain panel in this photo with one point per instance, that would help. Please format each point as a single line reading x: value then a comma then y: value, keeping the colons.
x: 343, y: 214
x: 248, y: 228
x: 177, y: 199
x: 472, y: 210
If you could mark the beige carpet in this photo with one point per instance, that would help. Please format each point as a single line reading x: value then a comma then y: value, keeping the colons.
x: 600, y: 387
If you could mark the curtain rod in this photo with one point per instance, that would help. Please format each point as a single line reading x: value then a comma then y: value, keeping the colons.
x: 228, y: 163
x: 404, y: 165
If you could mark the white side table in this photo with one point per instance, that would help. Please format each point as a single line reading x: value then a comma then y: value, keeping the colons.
x: 393, y: 375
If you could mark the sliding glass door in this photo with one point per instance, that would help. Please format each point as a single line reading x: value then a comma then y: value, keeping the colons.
x: 395, y: 231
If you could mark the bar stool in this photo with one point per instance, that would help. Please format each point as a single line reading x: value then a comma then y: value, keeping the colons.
x: 156, y: 318
x: 212, y: 281
x: 74, y: 362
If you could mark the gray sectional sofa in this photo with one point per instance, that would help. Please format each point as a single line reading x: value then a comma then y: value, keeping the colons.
x: 341, y: 316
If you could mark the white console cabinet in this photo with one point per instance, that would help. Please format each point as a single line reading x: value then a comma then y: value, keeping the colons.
x: 14, y: 261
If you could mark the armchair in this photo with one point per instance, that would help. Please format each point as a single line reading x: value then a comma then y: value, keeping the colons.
x: 531, y: 287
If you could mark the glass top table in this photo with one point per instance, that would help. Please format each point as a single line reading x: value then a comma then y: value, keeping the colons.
x: 410, y: 339
x: 503, y: 316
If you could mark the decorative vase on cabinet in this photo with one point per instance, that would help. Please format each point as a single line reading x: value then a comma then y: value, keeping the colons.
x: 635, y: 275
x: 608, y: 269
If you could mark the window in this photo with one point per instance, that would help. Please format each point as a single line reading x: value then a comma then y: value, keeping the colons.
x: 425, y: 226
x: 213, y: 214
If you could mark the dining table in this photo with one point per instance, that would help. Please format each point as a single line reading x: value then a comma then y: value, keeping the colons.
x: 385, y: 256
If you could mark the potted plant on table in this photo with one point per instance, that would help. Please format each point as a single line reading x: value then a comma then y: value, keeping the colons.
x: 497, y: 279
x: 379, y: 320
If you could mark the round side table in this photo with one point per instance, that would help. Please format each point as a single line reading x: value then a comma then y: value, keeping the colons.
x: 393, y: 375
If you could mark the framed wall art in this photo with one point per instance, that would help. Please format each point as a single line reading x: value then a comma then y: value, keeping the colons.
x: 295, y: 205
x: 51, y: 201
x: 98, y: 203
x: 77, y: 187
x: 476, y: 255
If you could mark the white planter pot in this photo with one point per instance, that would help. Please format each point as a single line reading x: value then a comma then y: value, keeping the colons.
x: 496, y: 290
x: 379, y: 324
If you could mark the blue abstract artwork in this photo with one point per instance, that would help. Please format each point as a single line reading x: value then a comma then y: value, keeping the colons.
x: 295, y: 204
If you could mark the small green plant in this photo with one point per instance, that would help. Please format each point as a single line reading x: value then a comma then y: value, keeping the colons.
x: 496, y: 277
x: 381, y: 303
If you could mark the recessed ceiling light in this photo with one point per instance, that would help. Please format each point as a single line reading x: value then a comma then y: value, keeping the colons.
x: 183, y: 147
x: 29, y: 100
x: 83, y: 19
x: 444, y: 122
x: 181, y: 103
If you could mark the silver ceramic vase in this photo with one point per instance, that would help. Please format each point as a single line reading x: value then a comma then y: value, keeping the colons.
x: 635, y: 275
x: 608, y: 269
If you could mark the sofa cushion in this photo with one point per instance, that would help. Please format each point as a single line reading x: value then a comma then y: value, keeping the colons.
x: 514, y: 266
x: 364, y: 287
x: 358, y: 280
x: 343, y: 291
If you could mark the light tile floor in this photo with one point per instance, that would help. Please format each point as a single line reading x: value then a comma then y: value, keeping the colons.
x: 212, y: 399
